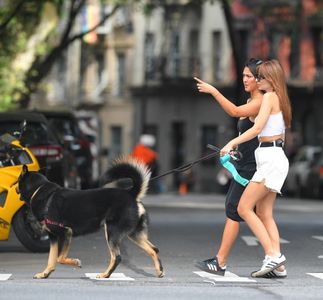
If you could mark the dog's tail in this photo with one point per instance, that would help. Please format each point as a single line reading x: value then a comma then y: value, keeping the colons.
x: 128, y: 167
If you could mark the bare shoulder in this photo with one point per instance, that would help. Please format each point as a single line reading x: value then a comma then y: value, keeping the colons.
x: 270, y: 97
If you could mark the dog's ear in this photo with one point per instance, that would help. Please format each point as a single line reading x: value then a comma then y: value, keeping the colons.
x: 24, y: 169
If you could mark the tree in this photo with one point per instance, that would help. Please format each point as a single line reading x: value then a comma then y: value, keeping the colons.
x: 35, y: 33
x: 30, y: 43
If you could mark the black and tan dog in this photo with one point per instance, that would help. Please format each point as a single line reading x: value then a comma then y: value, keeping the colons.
x: 66, y: 213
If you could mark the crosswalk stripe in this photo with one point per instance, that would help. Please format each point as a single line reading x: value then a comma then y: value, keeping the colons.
x: 318, y: 237
x: 4, y: 277
x: 228, y: 277
x: 317, y: 275
x: 253, y: 241
x: 113, y: 277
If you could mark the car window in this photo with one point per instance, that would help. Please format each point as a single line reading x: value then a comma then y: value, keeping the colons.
x: 64, y: 127
x: 35, y: 133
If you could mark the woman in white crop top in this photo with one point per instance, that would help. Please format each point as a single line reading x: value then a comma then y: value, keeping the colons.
x: 272, y: 164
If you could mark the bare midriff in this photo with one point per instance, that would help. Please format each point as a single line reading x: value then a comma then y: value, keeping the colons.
x: 263, y: 139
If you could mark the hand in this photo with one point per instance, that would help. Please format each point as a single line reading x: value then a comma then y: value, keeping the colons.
x: 204, y: 87
x: 227, y: 148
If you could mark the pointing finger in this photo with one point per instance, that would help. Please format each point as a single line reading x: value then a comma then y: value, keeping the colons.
x: 198, y: 80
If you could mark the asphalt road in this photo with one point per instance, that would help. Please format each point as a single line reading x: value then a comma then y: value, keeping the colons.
x: 186, y: 229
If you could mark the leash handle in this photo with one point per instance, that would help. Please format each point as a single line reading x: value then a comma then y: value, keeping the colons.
x: 235, y: 154
x: 225, y: 162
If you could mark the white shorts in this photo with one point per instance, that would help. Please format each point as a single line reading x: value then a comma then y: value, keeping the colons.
x: 272, y: 167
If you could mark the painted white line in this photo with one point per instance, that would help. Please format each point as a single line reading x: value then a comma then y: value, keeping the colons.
x: 283, y: 241
x: 250, y: 240
x: 253, y: 241
x: 320, y: 256
x: 113, y: 277
x: 228, y: 277
x: 317, y: 275
x: 318, y: 237
x: 4, y: 277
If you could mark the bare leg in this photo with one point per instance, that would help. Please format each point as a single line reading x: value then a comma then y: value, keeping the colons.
x: 265, y: 213
x: 230, y: 233
x: 253, y: 193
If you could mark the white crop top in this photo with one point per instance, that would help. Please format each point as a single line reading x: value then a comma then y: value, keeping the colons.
x: 275, y: 125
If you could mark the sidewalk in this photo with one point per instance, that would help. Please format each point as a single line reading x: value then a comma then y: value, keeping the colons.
x: 216, y: 201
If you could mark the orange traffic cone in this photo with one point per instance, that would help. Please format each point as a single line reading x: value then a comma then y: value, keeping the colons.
x: 182, y: 190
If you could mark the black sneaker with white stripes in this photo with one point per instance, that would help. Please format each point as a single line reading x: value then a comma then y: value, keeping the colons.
x: 212, y: 266
x: 269, y: 264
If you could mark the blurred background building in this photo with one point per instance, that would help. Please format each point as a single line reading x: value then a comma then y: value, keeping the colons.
x: 134, y: 75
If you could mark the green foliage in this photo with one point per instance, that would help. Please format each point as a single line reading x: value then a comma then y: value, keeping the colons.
x: 19, y: 24
x: 19, y: 19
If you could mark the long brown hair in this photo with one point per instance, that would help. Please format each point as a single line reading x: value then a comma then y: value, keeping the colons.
x: 274, y: 73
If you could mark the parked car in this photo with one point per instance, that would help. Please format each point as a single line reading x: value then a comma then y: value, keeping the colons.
x: 56, y: 164
x: 299, y: 171
x: 66, y: 125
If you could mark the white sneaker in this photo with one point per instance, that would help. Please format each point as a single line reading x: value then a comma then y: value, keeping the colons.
x: 269, y: 264
x: 276, y: 274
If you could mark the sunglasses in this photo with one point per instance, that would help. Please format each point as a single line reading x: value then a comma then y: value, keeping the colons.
x: 259, y: 78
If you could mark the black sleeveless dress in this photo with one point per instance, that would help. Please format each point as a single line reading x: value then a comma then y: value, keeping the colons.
x: 246, y: 168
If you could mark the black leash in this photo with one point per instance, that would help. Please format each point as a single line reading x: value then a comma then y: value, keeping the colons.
x: 236, y: 155
x: 188, y: 165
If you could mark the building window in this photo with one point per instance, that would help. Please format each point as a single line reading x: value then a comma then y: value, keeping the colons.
x: 101, y: 67
x: 61, y: 88
x: 149, y: 56
x: 317, y: 33
x: 193, y: 63
x: 121, y: 74
x: 116, y: 141
x: 217, y: 54
x: 175, y: 55
x: 209, y: 136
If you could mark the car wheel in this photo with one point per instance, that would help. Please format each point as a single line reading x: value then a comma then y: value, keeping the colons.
x: 29, y: 231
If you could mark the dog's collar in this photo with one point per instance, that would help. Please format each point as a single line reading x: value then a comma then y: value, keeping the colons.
x: 35, y: 192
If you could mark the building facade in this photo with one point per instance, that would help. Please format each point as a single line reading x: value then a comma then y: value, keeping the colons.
x: 135, y: 75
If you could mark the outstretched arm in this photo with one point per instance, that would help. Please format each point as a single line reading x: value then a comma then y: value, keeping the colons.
x: 247, y: 110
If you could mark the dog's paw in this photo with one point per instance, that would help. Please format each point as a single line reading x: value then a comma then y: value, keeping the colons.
x: 78, y: 262
x: 102, y: 275
x: 161, y: 274
x: 70, y: 261
x: 42, y: 275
